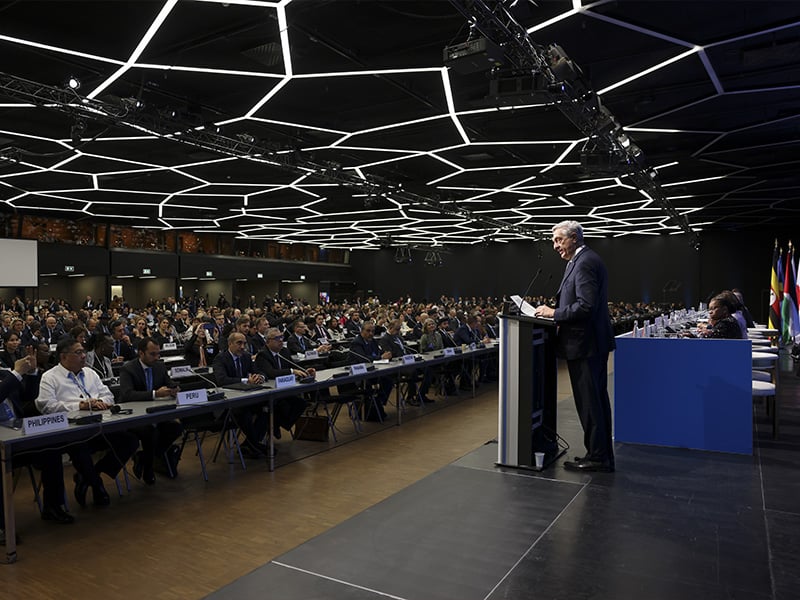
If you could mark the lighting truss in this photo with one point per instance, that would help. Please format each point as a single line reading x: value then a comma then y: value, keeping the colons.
x: 569, y: 91
x: 128, y: 112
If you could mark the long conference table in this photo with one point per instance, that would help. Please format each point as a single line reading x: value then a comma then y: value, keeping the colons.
x: 14, y: 442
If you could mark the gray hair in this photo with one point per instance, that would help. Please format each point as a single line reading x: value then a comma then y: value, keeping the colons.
x: 571, y: 228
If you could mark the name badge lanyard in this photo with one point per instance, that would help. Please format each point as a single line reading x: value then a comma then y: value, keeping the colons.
x: 81, y: 387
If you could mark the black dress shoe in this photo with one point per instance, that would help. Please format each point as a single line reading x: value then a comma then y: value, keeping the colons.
x: 81, y: 487
x: 138, y: 468
x: 57, y: 514
x: 100, y: 496
x: 589, y: 466
x: 148, y: 475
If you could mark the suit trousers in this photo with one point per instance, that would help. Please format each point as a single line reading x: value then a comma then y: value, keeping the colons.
x: 589, y: 379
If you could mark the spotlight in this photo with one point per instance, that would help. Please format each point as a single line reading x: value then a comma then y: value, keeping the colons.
x: 402, y: 255
x: 246, y: 138
x: 73, y: 83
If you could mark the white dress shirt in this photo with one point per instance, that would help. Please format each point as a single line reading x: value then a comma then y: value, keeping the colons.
x: 60, y: 390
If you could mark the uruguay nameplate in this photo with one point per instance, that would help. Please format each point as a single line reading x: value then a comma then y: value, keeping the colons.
x: 43, y: 423
x: 285, y: 381
x: 181, y: 372
x: 312, y: 354
x: 359, y: 369
x: 191, y: 397
x: 170, y: 346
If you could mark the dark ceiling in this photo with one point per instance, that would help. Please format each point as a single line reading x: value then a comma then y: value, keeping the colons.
x: 710, y: 91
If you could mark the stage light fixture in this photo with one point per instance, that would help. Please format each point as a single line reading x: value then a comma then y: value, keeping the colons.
x: 246, y: 138
x: 73, y: 83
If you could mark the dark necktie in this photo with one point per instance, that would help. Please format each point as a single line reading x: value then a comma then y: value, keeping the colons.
x: 238, y: 366
x: 302, y: 343
x: 278, y: 360
x: 148, y: 378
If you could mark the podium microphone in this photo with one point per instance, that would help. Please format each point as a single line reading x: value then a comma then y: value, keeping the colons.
x: 530, y: 285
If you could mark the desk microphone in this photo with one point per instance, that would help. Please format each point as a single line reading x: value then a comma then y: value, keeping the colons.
x: 294, y: 364
x: 217, y: 394
x: 371, y: 367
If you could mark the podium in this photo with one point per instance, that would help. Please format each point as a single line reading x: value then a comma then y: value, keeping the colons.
x: 527, y: 420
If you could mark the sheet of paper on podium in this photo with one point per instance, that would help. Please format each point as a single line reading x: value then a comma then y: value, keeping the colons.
x: 525, y: 308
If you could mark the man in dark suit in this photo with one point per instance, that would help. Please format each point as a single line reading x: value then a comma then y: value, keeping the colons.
x: 235, y: 365
x: 364, y: 348
x: 299, y: 342
x: 144, y: 380
x: 52, y: 331
x: 123, y: 350
x: 392, y: 342
x: 276, y: 361
x: 585, y: 337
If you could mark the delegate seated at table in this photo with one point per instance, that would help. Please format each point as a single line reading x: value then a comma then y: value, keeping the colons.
x: 70, y: 386
x: 143, y: 380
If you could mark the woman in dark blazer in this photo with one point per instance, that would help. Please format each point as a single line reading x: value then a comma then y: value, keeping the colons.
x: 12, y: 351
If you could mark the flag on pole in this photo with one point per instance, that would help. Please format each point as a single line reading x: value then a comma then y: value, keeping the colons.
x: 775, y: 291
x: 789, y: 315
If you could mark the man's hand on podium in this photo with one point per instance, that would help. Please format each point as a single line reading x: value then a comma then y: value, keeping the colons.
x: 544, y: 311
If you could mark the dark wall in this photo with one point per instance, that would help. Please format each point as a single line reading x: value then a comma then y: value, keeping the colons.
x: 639, y: 269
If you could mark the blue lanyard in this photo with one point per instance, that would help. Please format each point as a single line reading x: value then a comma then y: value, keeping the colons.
x: 80, y: 384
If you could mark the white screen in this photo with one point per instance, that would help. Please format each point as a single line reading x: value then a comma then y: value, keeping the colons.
x: 20, y: 263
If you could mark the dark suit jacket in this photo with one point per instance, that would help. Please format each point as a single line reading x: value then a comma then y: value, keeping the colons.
x: 126, y: 351
x: 133, y: 386
x: 365, y: 349
x: 584, y: 325
x: 465, y: 335
x: 389, y: 343
x: 267, y: 365
x: 51, y: 337
x: 293, y: 344
x: 225, y: 369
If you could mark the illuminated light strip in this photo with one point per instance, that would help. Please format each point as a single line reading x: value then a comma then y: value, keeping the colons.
x: 448, y: 94
x: 33, y: 44
x: 298, y: 125
x: 756, y: 147
x: 659, y: 130
x: 262, y: 3
x: 676, y: 109
x: 652, y: 69
x: 556, y: 19
x: 712, y: 74
x: 369, y: 72
x: 562, y: 156
x: 16, y: 105
x: 642, y: 30
x: 754, y: 34
x: 347, y: 136
x: 589, y: 190
x: 388, y: 160
x: 694, y: 181
x: 208, y: 70
x: 283, y: 31
x: 159, y: 20
x: 479, y: 111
